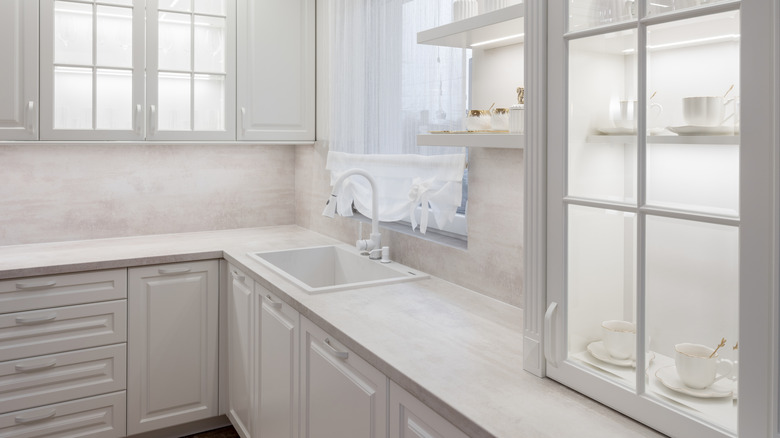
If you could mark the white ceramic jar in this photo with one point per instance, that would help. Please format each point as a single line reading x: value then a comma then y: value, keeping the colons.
x: 499, y: 121
x: 478, y: 120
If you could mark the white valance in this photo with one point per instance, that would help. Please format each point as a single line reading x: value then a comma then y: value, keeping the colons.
x: 405, y: 181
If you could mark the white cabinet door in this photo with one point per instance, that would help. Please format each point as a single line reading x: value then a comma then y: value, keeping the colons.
x: 342, y: 394
x: 410, y: 418
x: 240, y: 341
x: 172, y: 345
x: 277, y: 364
x: 19, y: 70
x: 276, y: 70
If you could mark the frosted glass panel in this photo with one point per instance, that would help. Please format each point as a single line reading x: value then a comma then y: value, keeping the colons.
x: 72, y: 33
x: 584, y: 14
x: 114, y: 99
x: 174, y: 102
x: 175, y: 5
x: 209, y: 103
x: 209, y: 44
x: 118, y: 2
x: 692, y: 296
x: 175, y: 42
x: 602, y: 117
x: 655, y: 7
x: 601, y: 286
x: 213, y: 7
x: 114, y: 37
x: 72, y: 98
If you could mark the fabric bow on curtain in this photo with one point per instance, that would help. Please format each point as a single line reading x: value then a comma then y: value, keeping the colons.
x: 404, y: 182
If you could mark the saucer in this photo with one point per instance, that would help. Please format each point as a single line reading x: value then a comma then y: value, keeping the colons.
x: 617, y: 131
x: 668, y: 376
x: 599, y: 351
x: 701, y: 130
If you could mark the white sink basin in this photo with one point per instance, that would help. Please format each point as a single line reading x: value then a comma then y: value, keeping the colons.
x: 332, y: 268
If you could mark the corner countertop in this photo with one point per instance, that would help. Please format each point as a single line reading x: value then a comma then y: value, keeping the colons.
x: 456, y: 350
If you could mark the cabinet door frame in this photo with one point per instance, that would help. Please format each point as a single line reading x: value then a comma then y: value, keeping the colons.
x: 23, y: 92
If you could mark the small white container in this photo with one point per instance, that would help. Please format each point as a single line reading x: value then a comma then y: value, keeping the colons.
x: 499, y: 121
x: 464, y: 9
x: 517, y: 119
x: 478, y: 120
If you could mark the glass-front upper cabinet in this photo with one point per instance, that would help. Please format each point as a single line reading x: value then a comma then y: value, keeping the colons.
x: 92, y: 70
x: 19, y: 70
x: 646, y: 176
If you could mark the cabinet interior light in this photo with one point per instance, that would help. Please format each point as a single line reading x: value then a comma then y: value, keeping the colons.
x: 497, y: 40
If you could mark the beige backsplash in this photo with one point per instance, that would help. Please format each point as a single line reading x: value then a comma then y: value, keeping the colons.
x: 493, y: 262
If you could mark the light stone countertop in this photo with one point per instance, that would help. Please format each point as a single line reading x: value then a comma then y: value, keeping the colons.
x: 456, y: 350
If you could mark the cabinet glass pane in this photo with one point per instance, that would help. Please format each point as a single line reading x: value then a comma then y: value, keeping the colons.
x: 175, y: 5
x: 72, y: 98
x: 655, y: 7
x: 602, y: 117
x: 209, y: 44
x: 72, y: 33
x: 209, y: 103
x: 118, y: 2
x: 692, y: 296
x: 584, y: 14
x: 175, y: 49
x: 114, y: 37
x: 114, y: 99
x: 213, y: 7
x: 174, y: 101
x: 601, y: 290
x: 693, y: 71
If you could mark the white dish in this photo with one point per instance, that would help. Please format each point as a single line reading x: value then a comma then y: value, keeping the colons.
x: 669, y: 378
x: 597, y: 350
x: 627, y: 131
x: 702, y: 130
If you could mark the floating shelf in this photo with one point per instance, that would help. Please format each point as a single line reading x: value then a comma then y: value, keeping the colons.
x: 667, y: 139
x: 481, y: 140
x: 505, y: 25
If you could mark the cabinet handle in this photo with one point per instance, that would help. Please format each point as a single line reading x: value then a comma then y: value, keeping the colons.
x: 152, y: 119
x: 549, y: 337
x: 243, y: 121
x: 171, y: 271
x: 30, y: 119
x: 137, y: 118
x: 35, y: 320
x: 237, y: 276
x: 343, y: 355
x: 274, y: 304
x: 34, y: 418
x: 23, y: 368
x: 39, y: 285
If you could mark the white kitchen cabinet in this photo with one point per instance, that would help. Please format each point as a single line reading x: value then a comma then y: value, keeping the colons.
x: 172, y: 344
x: 342, y: 395
x: 19, y: 70
x: 276, y: 368
x: 410, y: 418
x: 276, y: 73
x: 241, y: 316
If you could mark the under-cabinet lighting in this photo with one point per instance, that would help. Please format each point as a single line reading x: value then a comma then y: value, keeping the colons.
x: 483, y: 43
x: 659, y: 5
x: 686, y: 43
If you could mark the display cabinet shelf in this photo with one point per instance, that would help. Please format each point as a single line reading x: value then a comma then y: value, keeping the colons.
x: 497, y: 28
x: 668, y: 139
x: 484, y: 140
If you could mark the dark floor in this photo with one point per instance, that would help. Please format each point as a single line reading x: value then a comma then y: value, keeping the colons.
x: 225, y: 432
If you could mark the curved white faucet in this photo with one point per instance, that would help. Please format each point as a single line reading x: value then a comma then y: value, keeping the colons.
x: 374, y: 245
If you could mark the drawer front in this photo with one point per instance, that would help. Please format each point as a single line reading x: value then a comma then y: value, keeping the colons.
x: 47, y: 331
x: 95, y: 417
x: 62, y: 290
x: 55, y: 378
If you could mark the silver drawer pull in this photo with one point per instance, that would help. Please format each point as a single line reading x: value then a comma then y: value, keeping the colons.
x: 237, y: 276
x: 34, y: 418
x: 170, y: 271
x: 23, y: 368
x: 39, y: 285
x: 274, y: 304
x: 36, y: 320
x: 343, y: 355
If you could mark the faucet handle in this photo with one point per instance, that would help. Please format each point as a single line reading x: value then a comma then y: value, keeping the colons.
x: 375, y: 254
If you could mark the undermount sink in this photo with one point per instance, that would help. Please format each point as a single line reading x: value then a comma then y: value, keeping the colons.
x: 333, y: 268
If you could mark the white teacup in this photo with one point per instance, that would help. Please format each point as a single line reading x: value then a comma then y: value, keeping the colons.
x: 626, y: 113
x: 696, y: 368
x: 705, y: 110
x: 619, y: 338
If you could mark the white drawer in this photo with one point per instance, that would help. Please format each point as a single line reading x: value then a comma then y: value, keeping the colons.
x: 28, y: 334
x: 55, y: 378
x: 62, y: 290
x: 95, y: 417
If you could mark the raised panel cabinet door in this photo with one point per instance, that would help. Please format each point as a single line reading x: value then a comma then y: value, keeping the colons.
x: 19, y: 70
x: 240, y: 342
x: 172, y: 344
x: 275, y: 76
x: 277, y: 407
x: 410, y: 418
x: 342, y: 394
